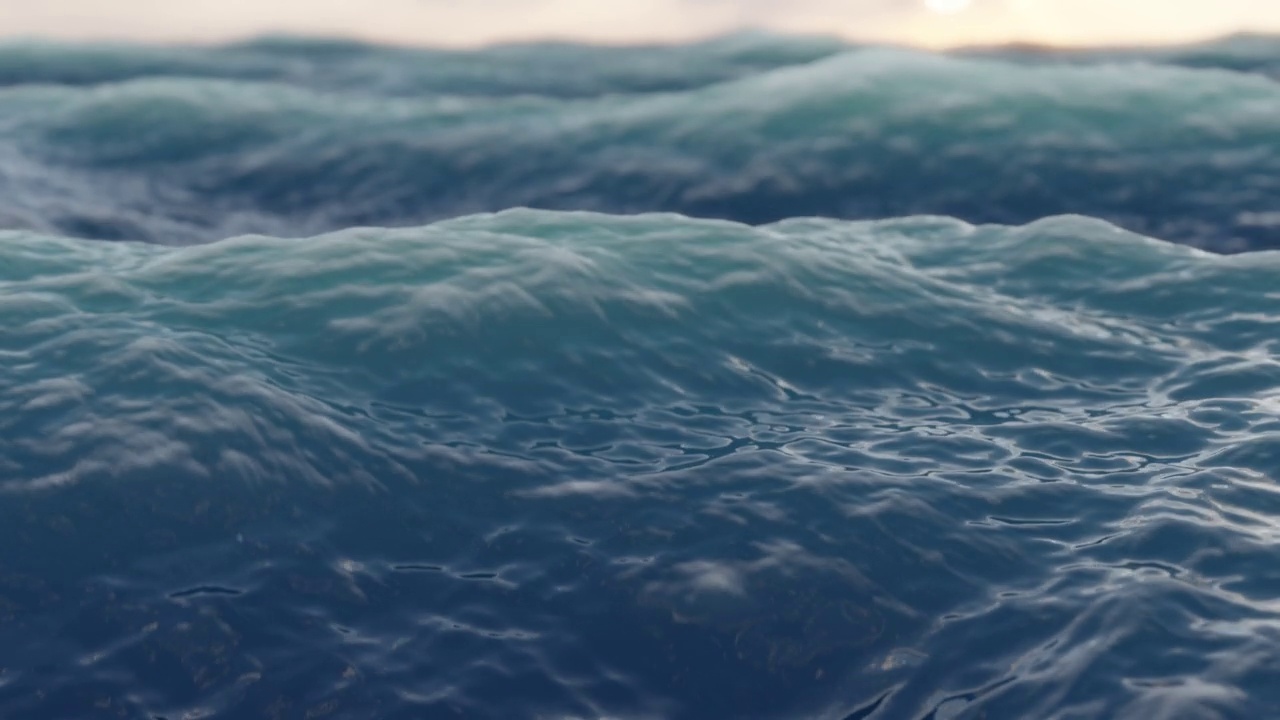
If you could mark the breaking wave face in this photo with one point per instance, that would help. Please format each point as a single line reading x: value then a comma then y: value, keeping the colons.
x: 292, y: 138
x: 542, y: 464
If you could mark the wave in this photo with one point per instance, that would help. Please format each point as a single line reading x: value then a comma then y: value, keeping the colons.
x: 293, y: 138
x: 1251, y: 53
x: 576, y: 465
x: 563, y: 70
x: 560, y: 70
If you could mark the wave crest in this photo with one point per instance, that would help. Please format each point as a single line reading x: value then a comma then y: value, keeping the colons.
x: 768, y: 132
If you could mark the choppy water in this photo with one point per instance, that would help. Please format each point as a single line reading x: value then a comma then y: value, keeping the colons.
x: 550, y: 464
x: 295, y: 138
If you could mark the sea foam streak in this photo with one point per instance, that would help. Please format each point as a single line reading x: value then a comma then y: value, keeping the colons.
x: 574, y: 465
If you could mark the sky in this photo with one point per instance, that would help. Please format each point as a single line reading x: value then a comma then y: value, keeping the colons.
x: 934, y: 23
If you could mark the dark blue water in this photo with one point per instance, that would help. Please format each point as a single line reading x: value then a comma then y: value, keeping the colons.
x: 553, y: 464
x: 293, y: 138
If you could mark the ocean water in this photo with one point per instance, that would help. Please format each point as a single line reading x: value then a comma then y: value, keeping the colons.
x: 819, y: 381
x: 295, y: 138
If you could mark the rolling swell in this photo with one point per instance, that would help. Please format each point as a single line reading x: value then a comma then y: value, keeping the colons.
x: 292, y: 138
x: 1244, y: 52
x: 559, y: 70
x: 572, y: 465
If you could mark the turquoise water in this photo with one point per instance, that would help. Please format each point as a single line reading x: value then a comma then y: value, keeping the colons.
x: 826, y: 381
x: 548, y: 464
x: 292, y: 138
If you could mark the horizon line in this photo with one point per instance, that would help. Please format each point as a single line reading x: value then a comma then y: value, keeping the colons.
x: 1011, y: 44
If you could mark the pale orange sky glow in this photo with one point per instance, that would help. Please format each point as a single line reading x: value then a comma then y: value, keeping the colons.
x: 476, y: 22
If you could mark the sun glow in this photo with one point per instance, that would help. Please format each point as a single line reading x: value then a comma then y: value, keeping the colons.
x: 929, y: 23
x: 947, y: 7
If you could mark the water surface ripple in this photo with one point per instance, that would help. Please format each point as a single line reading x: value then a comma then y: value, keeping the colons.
x: 566, y: 465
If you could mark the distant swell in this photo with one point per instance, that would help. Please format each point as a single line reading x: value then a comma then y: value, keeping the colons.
x: 293, y: 138
x: 571, y: 465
